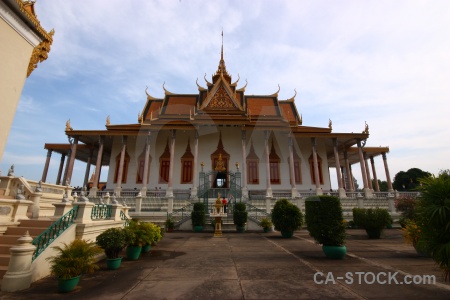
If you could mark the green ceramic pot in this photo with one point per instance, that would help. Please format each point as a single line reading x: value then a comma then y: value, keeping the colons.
x: 198, y: 228
x: 240, y: 229
x: 113, y: 263
x: 133, y: 252
x: 335, y: 252
x: 146, y: 248
x: 287, y: 234
x: 67, y: 285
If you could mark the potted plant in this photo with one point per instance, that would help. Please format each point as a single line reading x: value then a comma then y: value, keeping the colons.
x: 266, y: 224
x: 112, y: 241
x: 170, y: 225
x: 434, y: 208
x: 373, y: 220
x: 325, y: 222
x: 198, y: 216
x: 136, y: 238
x: 72, y: 261
x: 286, y: 217
x: 152, y: 235
x: 240, y: 216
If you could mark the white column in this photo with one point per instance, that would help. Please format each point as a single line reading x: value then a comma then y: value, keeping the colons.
x: 47, y: 164
x: 351, y: 188
x: 388, y: 177
x: 244, y: 163
x: 195, y: 179
x: 366, y: 165
x: 169, y: 191
x: 60, y: 170
x: 338, y: 169
x: 88, y: 168
x: 118, y: 188
x: 367, y: 191
x: 316, y: 167
x: 375, y: 178
x: 98, y: 166
x: 266, y: 147
x: 294, y: 192
x: 146, y: 160
x: 72, y: 160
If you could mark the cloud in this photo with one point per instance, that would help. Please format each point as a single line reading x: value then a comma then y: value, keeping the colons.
x: 382, y: 62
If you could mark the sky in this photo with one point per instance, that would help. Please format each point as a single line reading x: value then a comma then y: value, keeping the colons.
x: 386, y: 63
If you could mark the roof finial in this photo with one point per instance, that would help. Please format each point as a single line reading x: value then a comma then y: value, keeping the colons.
x: 221, y: 55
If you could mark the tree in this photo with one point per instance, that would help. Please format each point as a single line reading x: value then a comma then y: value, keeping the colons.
x: 409, y: 180
x: 382, y: 184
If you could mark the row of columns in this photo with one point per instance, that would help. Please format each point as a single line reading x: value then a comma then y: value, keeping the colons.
x: 169, y: 192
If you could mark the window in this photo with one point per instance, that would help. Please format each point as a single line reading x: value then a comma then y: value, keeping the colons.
x: 297, y: 171
x: 252, y: 166
x: 164, y: 167
x: 187, y: 162
x: 274, y: 161
x: 140, y: 169
x: 125, y: 168
x: 187, y: 172
x: 252, y: 171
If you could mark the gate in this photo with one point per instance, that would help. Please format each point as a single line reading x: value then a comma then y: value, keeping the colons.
x: 233, y: 193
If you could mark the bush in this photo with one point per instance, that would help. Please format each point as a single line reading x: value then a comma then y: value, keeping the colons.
x: 406, y: 206
x: 152, y: 232
x: 325, y: 221
x: 136, y: 235
x: 434, y: 208
x: 372, y: 220
x: 112, y: 240
x: 240, y: 214
x: 286, y: 217
x: 198, y: 215
x: 265, y: 223
x: 74, y: 259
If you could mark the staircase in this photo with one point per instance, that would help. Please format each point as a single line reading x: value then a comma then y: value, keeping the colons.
x: 13, y: 233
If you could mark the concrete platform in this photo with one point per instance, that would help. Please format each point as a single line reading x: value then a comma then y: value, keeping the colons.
x: 257, y: 265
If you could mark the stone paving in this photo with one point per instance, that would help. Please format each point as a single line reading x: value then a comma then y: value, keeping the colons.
x: 256, y: 265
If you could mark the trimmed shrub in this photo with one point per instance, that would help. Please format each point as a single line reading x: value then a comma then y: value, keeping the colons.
x: 240, y: 214
x: 198, y: 215
x: 286, y: 216
x: 325, y: 221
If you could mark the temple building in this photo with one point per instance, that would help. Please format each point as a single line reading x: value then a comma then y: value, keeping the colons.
x: 219, y: 139
x: 23, y: 44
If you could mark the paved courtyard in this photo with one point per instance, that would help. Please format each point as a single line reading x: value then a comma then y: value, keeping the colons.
x: 256, y: 265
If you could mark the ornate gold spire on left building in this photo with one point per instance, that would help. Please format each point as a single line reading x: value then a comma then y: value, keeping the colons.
x: 40, y: 52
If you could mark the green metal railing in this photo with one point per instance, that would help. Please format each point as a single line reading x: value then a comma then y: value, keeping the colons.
x: 124, y: 218
x: 255, y: 213
x: 54, y: 231
x: 101, y: 212
x: 181, y: 214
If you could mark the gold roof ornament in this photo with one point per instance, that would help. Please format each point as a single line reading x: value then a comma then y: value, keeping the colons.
x: 293, y: 97
x: 108, y: 120
x: 149, y: 97
x: 236, y: 82
x: 200, y: 88
x: 366, y: 128
x: 242, y: 89
x: 276, y: 93
x: 220, y: 165
x: 330, y: 124
x: 207, y: 82
x: 68, y: 128
x: 40, y: 53
x: 166, y: 91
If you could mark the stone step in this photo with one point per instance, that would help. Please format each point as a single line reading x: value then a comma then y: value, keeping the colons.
x: 3, y: 270
x: 4, y: 259
x: 4, y: 249
x: 9, y: 239
x: 40, y: 223
x: 19, y: 230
